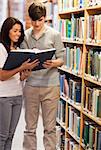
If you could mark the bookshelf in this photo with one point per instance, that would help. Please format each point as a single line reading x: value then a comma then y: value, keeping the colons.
x: 51, y: 12
x: 3, y: 10
x: 79, y: 108
x: 11, y: 8
x: 15, y: 7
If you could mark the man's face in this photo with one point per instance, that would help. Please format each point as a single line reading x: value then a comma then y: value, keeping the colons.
x: 38, y: 24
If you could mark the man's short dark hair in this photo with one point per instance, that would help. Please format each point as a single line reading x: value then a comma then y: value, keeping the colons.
x: 37, y: 10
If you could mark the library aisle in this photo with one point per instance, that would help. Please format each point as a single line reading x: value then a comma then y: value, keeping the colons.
x: 18, y: 139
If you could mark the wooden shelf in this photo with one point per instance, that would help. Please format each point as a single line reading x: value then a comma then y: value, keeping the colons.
x: 61, y: 124
x: 85, y: 79
x: 73, y: 135
x: 64, y: 68
x: 79, y: 10
x: 70, y: 102
x: 74, y: 10
x: 95, y: 119
x: 96, y: 7
x: 71, y: 41
x: 92, y: 80
x: 93, y: 44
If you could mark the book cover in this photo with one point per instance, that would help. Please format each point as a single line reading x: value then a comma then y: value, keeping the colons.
x: 77, y: 94
x: 86, y: 133
x: 68, y: 57
x: 17, y: 57
x: 99, y: 104
x: 98, y: 140
x: 62, y: 77
x: 58, y: 136
x: 91, y: 136
x: 99, y: 67
x: 78, y: 126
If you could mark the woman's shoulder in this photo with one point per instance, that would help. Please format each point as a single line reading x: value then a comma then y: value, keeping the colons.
x: 2, y: 48
x: 1, y: 45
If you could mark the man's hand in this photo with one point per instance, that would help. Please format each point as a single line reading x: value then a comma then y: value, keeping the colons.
x: 53, y: 63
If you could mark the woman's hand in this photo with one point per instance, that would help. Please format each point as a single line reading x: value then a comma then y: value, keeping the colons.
x: 27, y: 65
x: 25, y: 74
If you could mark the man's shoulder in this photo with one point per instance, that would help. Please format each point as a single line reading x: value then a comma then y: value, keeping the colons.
x: 51, y: 30
x: 28, y: 32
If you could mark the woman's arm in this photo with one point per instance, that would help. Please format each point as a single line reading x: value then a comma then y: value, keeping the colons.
x: 6, y: 74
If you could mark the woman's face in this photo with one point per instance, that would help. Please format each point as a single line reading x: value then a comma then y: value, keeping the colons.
x: 15, y: 33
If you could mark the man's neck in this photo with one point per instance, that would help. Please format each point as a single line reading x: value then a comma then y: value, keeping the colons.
x: 38, y: 34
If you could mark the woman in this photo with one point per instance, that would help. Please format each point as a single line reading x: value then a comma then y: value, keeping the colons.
x: 11, y: 36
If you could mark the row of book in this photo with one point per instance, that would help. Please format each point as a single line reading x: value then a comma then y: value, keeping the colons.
x: 94, y: 29
x: 70, y: 144
x: 55, y: 16
x: 92, y: 103
x: 64, y: 88
x: 71, y: 90
x: 75, y: 91
x: 91, y: 136
x: 73, y: 59
x: 61, y: 111
x: 60, y: 138
x: 65, y: 5
x: 73, y: 118
x: 49, y: 10
x: 72, y: 29
x: 74, y: 122
x: 93, y: 63
x: 63, y: 143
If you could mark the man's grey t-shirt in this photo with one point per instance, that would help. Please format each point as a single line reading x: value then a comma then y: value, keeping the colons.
x: 49, y: 39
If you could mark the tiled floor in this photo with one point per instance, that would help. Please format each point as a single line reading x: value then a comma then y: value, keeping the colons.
x: 18, y: 139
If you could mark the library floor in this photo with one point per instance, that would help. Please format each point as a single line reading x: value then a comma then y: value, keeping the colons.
x: 18, y: 139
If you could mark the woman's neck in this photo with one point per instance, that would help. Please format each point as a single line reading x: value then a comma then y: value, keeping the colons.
x: 12, y: 46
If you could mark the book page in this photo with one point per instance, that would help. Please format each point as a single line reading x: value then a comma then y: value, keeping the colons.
x: 34, y: 50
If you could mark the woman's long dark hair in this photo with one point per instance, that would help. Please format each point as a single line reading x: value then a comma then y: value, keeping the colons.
x: 4, y: 35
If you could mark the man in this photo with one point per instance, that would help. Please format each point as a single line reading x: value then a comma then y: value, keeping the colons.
x: 42, y: 87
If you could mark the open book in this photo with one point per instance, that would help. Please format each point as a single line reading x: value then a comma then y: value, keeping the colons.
x: 17, y: 57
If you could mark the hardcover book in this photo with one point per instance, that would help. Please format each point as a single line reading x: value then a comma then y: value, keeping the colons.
x: 17, y: 57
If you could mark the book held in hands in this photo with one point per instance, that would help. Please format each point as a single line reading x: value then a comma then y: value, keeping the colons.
x: 17, y: 57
